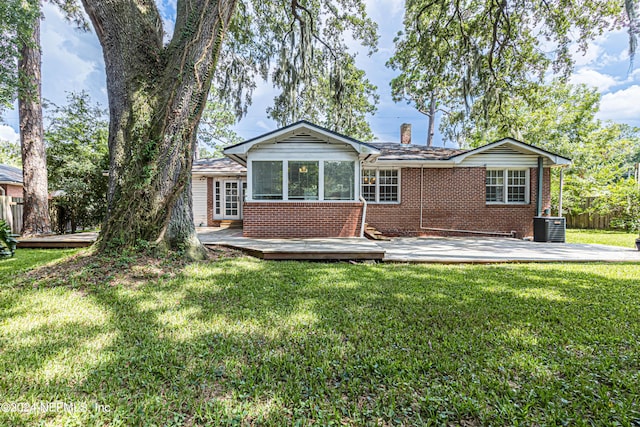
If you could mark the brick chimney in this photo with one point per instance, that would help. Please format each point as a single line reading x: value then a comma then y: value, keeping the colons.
x: 405, y: 133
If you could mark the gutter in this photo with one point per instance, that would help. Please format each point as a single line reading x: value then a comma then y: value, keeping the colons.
x: 453, y: 230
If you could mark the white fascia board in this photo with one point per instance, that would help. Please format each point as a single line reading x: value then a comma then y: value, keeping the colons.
x: 207, y: 173
x: 555, y: 159
x: 241, y: 150
x: 413, y: 163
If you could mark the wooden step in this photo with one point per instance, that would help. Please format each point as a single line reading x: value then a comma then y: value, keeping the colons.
x: 373, y: 234
x: 228, y: 223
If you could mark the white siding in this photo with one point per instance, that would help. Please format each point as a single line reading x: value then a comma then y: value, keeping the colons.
x: 199, y: 193
x: 302, y: 150
x: 502, y: 156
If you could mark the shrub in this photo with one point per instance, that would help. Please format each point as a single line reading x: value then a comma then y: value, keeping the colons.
x: 7, y: 242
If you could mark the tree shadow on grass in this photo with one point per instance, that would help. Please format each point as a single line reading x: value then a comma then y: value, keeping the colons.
x: 244, y: 341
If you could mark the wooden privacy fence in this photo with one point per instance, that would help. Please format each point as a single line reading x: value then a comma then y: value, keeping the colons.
x: 591, y: 221
x: 11, y: 211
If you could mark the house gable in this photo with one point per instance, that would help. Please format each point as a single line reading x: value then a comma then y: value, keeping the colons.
x: 508, y: 152
x: 303, y: 138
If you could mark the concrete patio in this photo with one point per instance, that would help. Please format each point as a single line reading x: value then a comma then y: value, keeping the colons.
x: 422, y: 249
x: 405, y: 249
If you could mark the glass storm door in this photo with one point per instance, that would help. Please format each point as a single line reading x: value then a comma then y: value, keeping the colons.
x: 231, y: 200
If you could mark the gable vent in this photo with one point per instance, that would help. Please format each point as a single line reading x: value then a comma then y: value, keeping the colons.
x: 503, y: 150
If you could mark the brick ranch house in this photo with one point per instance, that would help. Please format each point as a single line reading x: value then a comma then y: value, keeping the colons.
x: 306, y: 181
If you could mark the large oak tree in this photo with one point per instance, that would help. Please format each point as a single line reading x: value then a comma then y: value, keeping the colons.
x: 157, y: 93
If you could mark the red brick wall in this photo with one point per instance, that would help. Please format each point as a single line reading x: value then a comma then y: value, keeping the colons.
x: 302, y: 219
x: 12, y: 190
x: 454, y: 198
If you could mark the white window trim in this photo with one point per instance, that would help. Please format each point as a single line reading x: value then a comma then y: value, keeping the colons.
x: 377, y: 201
x: 505, y: 188
x: 285, y: 181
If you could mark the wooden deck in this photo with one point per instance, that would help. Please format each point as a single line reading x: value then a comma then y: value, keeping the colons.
x: 59, y: 241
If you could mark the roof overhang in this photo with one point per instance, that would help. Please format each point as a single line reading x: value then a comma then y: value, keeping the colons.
x: 18, y: 184
x: 206, y: 173
x: 554, y: 160
x: 238, y: 152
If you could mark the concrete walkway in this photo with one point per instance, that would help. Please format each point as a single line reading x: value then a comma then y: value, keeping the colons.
x: 404, y: 249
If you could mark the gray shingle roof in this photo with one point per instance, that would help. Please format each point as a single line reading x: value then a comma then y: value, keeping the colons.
x: 397, y: 151
x: 221, y: 165
x: 10, y: 174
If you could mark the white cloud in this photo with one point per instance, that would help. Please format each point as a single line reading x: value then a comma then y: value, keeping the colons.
x: 71, y: 59
x: 621, y: 106
x: 594, y: 78
x: 7, y: 133
x: 586, y: 58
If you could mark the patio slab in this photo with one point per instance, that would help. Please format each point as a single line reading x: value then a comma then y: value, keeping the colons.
x: 499, y: 250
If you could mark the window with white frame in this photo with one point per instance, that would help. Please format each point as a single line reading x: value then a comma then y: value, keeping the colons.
x: 507, y: 186
x: 267, y: 180
x: 338, y: 180
x: 381, y: 185
x: 330, y: 180
x: 303, y: 180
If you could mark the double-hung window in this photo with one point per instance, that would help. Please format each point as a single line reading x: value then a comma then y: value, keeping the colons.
x: 507, y: 186
x: 381, y: 185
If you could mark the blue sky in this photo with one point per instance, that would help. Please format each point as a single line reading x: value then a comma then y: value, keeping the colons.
x: 72, y: 61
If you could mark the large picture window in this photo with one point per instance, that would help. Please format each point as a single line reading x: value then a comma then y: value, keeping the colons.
x: 303, y: 180
x: 381, y: 185
x: 267, y: 180
x: 338, y: 180
x: 507, y: 186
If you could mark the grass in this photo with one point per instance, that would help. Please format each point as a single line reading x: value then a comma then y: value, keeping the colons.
x: 240, y: 341
x: 602, y: 237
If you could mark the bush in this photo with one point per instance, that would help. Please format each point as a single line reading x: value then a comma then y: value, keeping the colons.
x: 7, y: 242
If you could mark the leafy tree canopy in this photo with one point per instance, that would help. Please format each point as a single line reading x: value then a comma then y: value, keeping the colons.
x: 16, y: 24
x: 301, y: 48
x: 77, y: 157
x: 476, y: 55
x: 10, y: 153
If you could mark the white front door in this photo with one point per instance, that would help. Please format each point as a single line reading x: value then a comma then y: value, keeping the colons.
x: 231, y: 200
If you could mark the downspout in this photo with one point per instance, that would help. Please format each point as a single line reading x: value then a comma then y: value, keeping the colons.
x: 540, y: 184
x: 560, y: 193
x: 453, y: 230
x: 362, y: 199
x: 364, y: 215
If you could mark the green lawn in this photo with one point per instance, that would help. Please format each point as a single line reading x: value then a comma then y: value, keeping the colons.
x: 602, y: 237
x: 241, y: 341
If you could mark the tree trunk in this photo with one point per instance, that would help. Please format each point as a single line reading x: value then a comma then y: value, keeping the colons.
x: 36, y: 218
x: 432, y: 120
x: 156, y: 97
